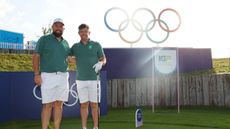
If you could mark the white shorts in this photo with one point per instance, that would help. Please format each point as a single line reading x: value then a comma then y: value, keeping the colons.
x: 54, y: 87
x: 88, y: 91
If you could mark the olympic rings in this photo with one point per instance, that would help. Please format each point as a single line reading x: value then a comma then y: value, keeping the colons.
x: 159, y: 17
x: 72, y: 93
x: 35, y: 95
x: 148, y: 10
x: 139, y: 27
x: 131, y: 42
x: 107, y: 25
x: 158, y: 42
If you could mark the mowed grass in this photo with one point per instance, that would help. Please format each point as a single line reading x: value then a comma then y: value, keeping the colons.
x: 23, y: 62
x: 15, y: 62
x: 19, y: 63
x: 188, y: 118
x: 221, y: 65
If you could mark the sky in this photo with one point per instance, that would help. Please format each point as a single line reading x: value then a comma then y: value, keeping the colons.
x: 204, y: 23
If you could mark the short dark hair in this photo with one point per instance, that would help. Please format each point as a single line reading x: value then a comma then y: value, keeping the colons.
x: 82, y: 26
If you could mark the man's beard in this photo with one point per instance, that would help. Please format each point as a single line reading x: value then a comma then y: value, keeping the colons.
x: 59, y: 34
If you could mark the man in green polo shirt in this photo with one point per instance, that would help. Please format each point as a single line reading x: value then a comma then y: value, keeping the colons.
x: 89, y: 60
x: 50, y: 72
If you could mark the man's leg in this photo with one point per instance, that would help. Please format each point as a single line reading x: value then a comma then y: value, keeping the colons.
x: 94, y: 108
x: 57, y: 114
x: 84, y: 114
x: 46, y: 113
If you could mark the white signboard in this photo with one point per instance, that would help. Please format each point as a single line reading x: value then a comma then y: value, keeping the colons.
x: 165, y: 61
x: 138, y: 118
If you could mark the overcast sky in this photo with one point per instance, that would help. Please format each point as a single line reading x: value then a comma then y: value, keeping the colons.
x: 204, y: 23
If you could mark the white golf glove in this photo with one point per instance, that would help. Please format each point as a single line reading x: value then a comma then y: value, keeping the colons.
x: 97, y: 67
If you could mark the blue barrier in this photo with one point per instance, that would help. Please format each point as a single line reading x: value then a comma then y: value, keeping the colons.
x: 18, y: 102
x: 5, y: 96
x: 137, y: 62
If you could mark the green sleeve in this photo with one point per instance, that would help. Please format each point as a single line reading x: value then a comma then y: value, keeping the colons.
x: 69, y: 51
x: 100, y: 52
x: 40, y: 45
x: 72, y: 53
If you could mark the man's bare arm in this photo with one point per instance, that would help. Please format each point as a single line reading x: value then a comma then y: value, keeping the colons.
x: 103, y: 60
x: 36, y: 62
x: 72, y: 59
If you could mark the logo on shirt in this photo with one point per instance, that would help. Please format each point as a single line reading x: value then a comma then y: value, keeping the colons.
x: 90, y: 46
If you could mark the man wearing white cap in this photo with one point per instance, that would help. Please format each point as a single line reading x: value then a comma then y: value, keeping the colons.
x: 50, y: 72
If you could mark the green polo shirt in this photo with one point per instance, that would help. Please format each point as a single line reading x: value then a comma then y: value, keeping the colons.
x: 53, y: 54
x: 86, y: 56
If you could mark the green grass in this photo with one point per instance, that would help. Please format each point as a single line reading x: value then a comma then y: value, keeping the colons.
x: 188, y: 118
x: 19, y: 62
x: 15, y: 62
x: 221, y: 65
x: 23, y: 62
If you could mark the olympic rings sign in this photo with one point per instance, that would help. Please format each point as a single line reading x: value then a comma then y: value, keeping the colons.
x: 73, y: 93
x: 151, y: 24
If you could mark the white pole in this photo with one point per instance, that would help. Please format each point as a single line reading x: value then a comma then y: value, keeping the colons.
x: 153, y: 77
x: 178, y: 80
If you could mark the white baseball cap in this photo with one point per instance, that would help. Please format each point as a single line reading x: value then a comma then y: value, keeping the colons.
x: 58, y: 20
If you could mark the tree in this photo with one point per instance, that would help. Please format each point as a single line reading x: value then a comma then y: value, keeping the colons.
x: 47, y: 30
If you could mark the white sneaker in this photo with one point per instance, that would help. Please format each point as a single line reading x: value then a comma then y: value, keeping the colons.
x: 95, y: 128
